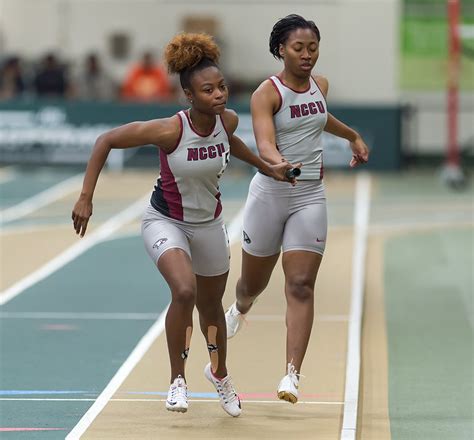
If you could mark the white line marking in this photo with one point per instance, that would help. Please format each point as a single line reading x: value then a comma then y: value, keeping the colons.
x: 136, y: 355
x: 141, y: 316
x: 272, y: 402
x: 76, y: 249
x: 37, y: 399
x: 42, y: 199
x: 85, y: 315
x: 361, y: 223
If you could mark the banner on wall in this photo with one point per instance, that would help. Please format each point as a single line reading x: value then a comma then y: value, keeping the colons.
x: 65, y: 132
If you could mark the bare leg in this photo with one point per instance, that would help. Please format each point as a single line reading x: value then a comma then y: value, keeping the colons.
x: 210, y: 291
x: 301, y: 269
x: 179, y: 319
x: 256, y: 272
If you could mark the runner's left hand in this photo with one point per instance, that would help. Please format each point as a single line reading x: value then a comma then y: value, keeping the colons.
x: 360, y: 152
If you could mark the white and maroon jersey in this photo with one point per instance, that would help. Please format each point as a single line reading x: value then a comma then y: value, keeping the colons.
x: 188, y: 186
x: 299, y: 124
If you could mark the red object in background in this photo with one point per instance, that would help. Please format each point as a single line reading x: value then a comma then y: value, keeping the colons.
x: 147, y: 84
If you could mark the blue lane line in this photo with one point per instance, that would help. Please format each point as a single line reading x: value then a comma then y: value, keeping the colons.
x: 36, y: 392
x: 65, y: 392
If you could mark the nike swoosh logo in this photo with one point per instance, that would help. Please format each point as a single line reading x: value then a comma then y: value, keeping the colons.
x: 313, y: 92
x: 171, y: 403
x: 216, y: 134
x: 320, y: 241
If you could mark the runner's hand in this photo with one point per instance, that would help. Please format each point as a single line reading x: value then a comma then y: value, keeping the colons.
x: 81, y: 214
x: 360, y: 152
x: 278, y: 171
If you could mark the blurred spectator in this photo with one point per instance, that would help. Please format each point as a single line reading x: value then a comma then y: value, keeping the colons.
x: 11, y: 79
x: 50, y: 80
x: 147, y: 81
x: 93, y: 82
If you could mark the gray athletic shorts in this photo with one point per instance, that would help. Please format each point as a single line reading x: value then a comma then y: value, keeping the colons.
x: 280, y: 216
x: 207, y: 244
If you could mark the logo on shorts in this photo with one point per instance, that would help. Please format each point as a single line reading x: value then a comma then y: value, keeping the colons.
x: 159, y: 242
x: 246, y: 238
x: 320, y: 241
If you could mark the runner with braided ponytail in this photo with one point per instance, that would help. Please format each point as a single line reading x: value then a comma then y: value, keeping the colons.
x: 289, y: 115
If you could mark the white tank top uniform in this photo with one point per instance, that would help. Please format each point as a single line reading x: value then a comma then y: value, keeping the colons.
x: 280, y: 216
x: 185, y: 207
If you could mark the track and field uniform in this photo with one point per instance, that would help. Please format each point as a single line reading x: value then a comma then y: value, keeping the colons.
x: 278, y: 215
x: 185, y: 207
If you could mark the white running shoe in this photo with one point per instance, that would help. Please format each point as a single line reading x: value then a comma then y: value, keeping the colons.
x: 227, y: 395
x: 288, y: 388
x: 234, y: 320
x: 177, y: 396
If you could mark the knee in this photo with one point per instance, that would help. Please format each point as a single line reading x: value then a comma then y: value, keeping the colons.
x: 249, y: 289
x: 209, y: 309
x: 300, y: 289
x: 184, y: 296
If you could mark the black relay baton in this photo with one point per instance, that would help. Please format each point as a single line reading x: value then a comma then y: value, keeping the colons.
x: 292, y: 173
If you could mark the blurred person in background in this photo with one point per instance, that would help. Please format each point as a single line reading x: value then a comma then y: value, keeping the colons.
x: 289, y: 114
x: 93, y: 82
x: 12, y: 84
x: 147, y: 81
x: 183, y: 228
x: 50, y: 79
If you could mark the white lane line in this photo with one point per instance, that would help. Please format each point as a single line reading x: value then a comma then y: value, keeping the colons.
x: 361, y: 223
x: 271, y: 402
x: 41, y: 199
x: 135, y: 356
x: 141, y: 316
x: 84, y: 315
x: 37, y: 399
x: 145, y: 343
x: 108, y: 228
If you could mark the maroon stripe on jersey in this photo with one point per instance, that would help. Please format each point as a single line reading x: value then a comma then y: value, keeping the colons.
x: 194, y: 129
x: 321, y: 172
x: 279, y: 94
x: 171, y: 192
x: 293, y: 90
x: 180, y: 134
x: 218, y: 210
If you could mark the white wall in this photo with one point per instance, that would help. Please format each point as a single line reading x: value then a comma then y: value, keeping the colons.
x: 359, y: 47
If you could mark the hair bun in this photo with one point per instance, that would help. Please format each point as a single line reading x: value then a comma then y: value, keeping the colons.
x: 186, y: 50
